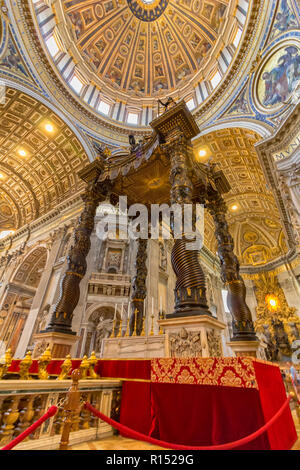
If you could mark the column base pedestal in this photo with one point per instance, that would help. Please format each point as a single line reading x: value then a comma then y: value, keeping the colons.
x: 60, y: 344
x: 244, y: 348
x: 193, y: 336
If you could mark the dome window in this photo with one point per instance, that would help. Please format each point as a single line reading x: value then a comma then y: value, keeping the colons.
x: 76, y: 84
x: 132, y: 118
x: 104, y: 108
x: 52, y: 46
x: 191, y: 104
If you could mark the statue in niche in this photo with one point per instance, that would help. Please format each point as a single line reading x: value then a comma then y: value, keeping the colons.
x: 162, y: 256
x: 103, y: 330
x: 292, y: 210
x: 103, y: 323
x: 42, y: 318
x: 185, y: 344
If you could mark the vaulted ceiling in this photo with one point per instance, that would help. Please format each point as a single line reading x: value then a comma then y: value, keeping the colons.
x: 38, y: 163
x: 253, y: 217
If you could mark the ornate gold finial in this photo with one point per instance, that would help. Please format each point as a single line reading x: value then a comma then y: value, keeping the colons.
x: 92, y: 363
x: 65, y: 368
x: 25, y: 366
x: 84, y: 366
x: 43, y: 362
x: 5, y: 362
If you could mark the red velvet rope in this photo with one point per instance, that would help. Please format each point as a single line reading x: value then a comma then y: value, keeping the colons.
x: 230, y: 445
x: 51, y: 412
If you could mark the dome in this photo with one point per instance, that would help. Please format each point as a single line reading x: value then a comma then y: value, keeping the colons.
x: 119, y: 56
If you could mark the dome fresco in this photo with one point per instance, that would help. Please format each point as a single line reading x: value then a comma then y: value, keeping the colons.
x: 119, y: 56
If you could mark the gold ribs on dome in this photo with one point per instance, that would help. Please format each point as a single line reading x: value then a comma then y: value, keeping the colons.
x: 255, y: 223
x: 124, y: 46
x: 46, y: 174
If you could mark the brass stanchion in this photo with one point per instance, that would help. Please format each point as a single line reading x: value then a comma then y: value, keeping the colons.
x: 72, y: 405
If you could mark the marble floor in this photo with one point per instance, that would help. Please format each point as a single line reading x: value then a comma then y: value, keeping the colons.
x: 122, y: 443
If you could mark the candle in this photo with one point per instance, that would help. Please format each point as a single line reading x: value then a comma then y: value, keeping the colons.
x: 160, y: 304
x: 115, y: 316
x: 152, y: 307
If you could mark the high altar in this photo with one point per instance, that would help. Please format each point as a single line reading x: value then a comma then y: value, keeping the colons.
x: 182, y: 362
x: 191, y: 330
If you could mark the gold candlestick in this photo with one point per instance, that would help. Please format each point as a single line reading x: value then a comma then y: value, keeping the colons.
x: 113, y: 329
x: 143, y: 333
x: 120, y: 330
x: 127, y: 329
x: 134, y: 326
x: 152, y: 332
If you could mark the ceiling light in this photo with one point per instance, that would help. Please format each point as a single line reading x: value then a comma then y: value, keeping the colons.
x: 22, y: 153
x: 234, y: 207
x: 1, y: 176
x: 202, y: 153
x: 272, y: 302
x: 49, y: 127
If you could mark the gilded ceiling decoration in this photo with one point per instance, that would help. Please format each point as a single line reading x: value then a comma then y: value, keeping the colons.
x: 39, y: 160
x: 30, y: 271
x: 112, y: 53
x: 254, y: 219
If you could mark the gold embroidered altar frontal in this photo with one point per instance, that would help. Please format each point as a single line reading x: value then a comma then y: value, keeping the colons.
x: 230, y: 372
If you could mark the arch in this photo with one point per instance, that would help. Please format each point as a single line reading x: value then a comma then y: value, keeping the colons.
x: 92, y: 308
x: 70, y: 123
x: 21, y: 291
x: 262, y: 129
x: 39, y: 249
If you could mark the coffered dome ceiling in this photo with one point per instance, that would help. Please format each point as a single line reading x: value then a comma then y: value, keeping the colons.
x: 119, y: 56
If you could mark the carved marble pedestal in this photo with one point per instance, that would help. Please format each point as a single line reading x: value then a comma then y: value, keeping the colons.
x: 245, y: 348
x: 60, y: 344
x: 195, y: 336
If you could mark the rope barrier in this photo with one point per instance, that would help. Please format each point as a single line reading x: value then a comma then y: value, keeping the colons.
x: 143, y: 437
x: 51, y: 412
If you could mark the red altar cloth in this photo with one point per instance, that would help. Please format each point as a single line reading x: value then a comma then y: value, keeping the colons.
x: 197, y: 401
x: 208, y: 402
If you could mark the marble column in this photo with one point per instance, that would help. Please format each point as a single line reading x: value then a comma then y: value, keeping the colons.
x: 38, y: 299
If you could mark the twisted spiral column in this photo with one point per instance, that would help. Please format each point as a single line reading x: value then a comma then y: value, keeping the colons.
x: 139, y: 290
x: 243, y: 327
x: 61, y: 320
x: 190, y: 291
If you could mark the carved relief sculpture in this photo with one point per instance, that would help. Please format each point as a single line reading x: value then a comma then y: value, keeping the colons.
x: 185, y: 344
